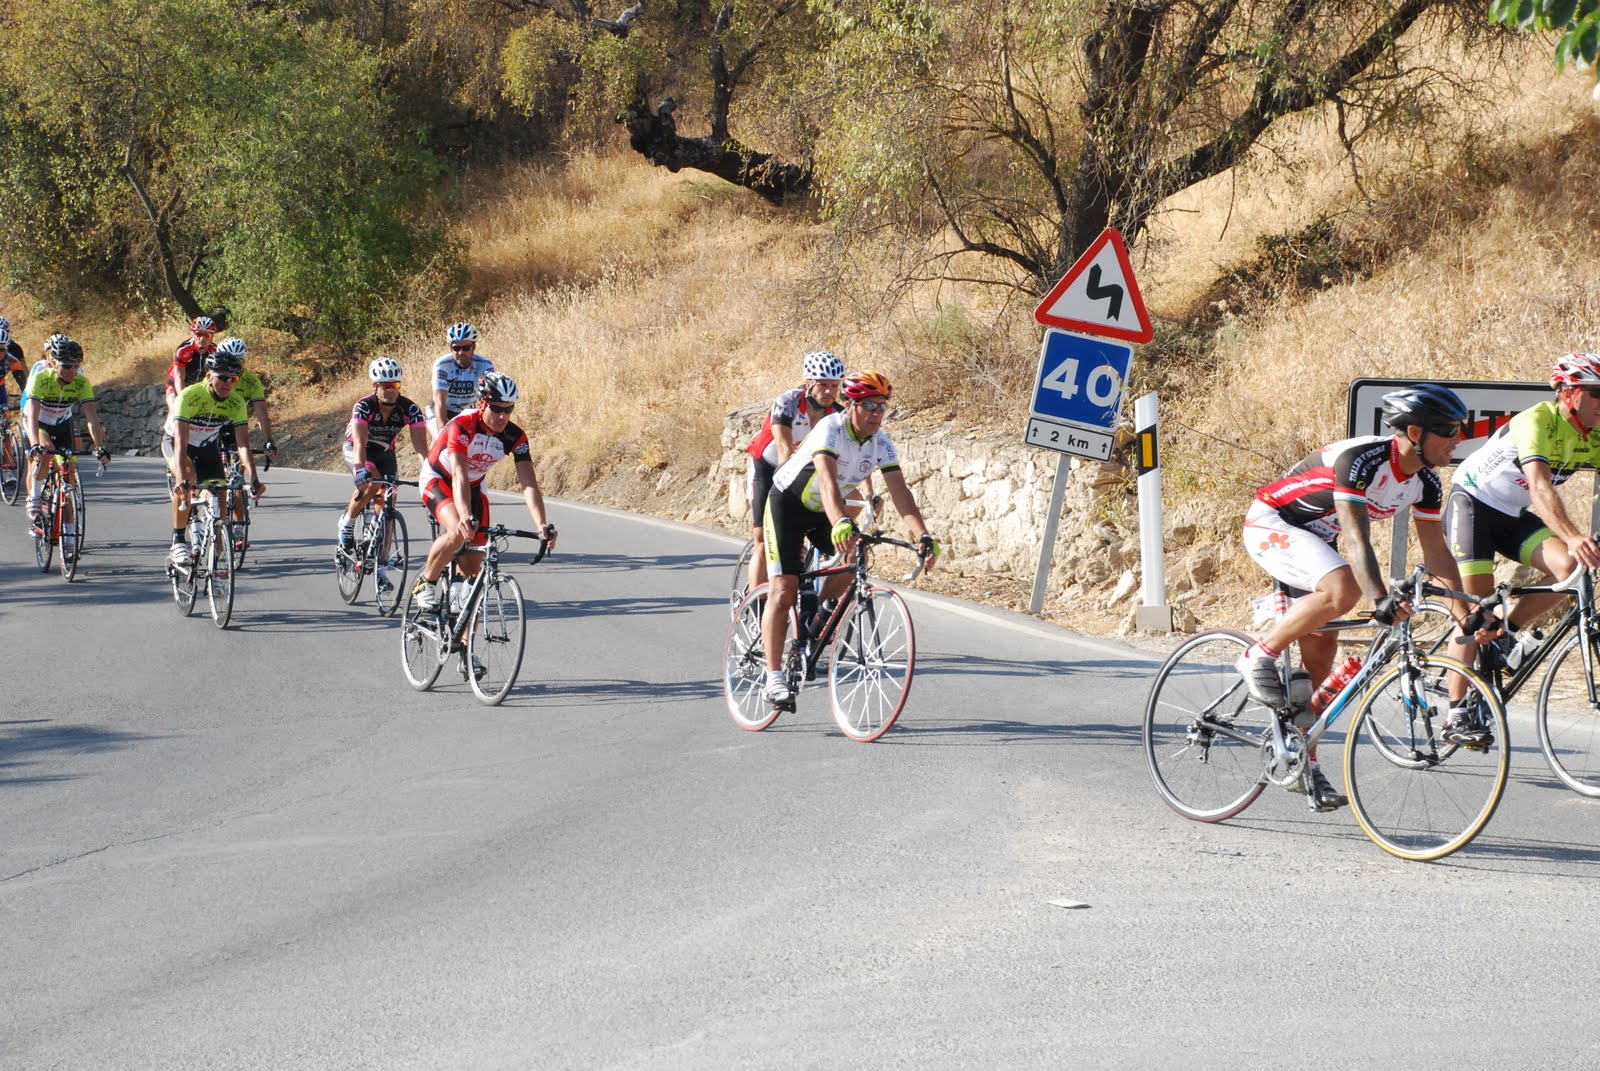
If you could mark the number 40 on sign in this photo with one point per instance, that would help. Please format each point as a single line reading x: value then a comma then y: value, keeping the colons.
x: 1077, y: 394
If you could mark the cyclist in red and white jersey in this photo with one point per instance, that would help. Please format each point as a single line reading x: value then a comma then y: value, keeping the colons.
x: 791, y: 417
x: 189, y: 361
x: 1293, y: 524
x: 452, y: 481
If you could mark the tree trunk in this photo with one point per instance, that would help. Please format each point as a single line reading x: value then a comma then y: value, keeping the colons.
x: 163, y: 236
x: 654, y: 135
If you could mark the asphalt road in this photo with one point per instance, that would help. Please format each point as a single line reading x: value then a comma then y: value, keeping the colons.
x: 259, y: 848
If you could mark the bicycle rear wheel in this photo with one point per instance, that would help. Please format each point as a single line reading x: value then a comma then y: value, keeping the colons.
x: 11, y: 471
x: 219, y: 570
x: 495, y: 641
x: 869, y: 669
x: 1205, y: 739
x: 1569, y: 716
x: 422, y: 650
x: 745, y: 666
x: 393, y: 552
x: 1437, y: 800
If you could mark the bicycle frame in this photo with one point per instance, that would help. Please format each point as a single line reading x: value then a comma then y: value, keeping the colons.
x: 811, y: 642
x: 458, y: 622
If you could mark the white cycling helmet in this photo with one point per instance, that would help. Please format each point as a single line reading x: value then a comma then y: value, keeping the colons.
x: 233, y: 347
x: 821, y: 365
x: 384, y: 370
x: 497, y: 387
x: 1576, y: 370
x: 461, y: 332
x: 52, y: 345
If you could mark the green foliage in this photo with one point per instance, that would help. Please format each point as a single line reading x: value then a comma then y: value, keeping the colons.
x: 273, y: 171
x: 1576, y: 21
x: 552, y: 64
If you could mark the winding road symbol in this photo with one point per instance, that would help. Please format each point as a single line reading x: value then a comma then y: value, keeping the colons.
x: 1092, y: 295
x: 1096, y: 292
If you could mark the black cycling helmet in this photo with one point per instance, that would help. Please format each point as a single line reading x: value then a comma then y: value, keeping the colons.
x: 227, y: 363
x: 1427, y: 404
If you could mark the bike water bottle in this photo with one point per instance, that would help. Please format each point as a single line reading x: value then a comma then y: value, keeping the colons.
x: 458, y: 596
x: 1528, y: 641
x: 1300, y: 698
x: 1342, y: 674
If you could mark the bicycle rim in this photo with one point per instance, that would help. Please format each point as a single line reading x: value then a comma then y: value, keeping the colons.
x: 1569, y: 721
x: 495, y: 640
x: 1204, y: 738
x: 421, y: 651
x: 869, y: 669
x: 741, y: 577
x: 1438, y: 801
x: 392, y: 556
x: 44, y: 544
x: 349, y: 565
x: 80, y: 510
x: 745, y: 666
x: 241, y: 535
x: 219, y: 574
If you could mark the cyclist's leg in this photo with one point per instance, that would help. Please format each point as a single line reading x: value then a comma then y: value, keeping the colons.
x: 1550, y: 556
x: 437, y: 497
x: 760, y: 483
x: 1302, y: 558
x: 784, y: 527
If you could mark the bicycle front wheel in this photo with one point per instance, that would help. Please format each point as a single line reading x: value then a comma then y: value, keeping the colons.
x: 349, y: 565
x: 869, y: 670
x: 1569, y: 716
x: 219, y: 569
x: 241, y: 533
x: 1442, y: 795
x: 393, y: 551
x: 1205, y: 739
x: 741, y: 577
x: 744, y: 674
x: 80, y: 510
x: 71, y: 547
x: 44, y: 533
x: 422, y: 650
x: 495, y: 642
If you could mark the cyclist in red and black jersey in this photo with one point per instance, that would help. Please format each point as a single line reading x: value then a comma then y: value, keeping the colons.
x: 1292, y: 527
x: 189, y: 362
x: 452, y: 481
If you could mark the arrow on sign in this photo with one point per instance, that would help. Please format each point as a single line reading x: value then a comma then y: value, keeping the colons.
x: 1111, y: 290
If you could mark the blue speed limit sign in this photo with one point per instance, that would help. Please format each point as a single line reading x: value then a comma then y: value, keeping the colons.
x: 1078, y: 393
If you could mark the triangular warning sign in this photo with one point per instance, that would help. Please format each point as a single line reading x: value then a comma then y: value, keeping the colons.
x: 1098, y: 295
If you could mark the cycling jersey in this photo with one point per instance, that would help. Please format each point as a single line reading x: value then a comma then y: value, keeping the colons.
x: 1492, y: 473
x: 459, y: 384
x: 1361, y: 470
x: 250, y: 388
x: 484, y: 449
x: 857, y: 459
x: 13, y: 360
x: 189, y: 362
x: 207, y: 415
x: 56, y: 401
x: 792, y: 411
x: 382, y: 430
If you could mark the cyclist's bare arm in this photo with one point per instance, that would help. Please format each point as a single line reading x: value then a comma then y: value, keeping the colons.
x: 182, y: 467
x: 1440, y: 562
x: 460, y: 491
x: 30, y: 420
x: 97, y: 432
x: 1356, y: 529
x: 419, y: 441
x: 905, y: 503
x: 783, y: 441
x: 1548, y: 506
x: 531, y: 494
x: 259, y: 408
x: 241, y: 436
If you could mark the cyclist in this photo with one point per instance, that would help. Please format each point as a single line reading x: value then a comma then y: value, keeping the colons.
x: 787, y: 423
x: 12, y: 362
x: 1503, y: 501
x: 204, y: 413
x: 254, y: 393
x: 189, y: 361
x: 369, y: 444
x: 456, y: 376
x: 452, y: 481
x: 1294, y: 522
x: 807, y: 501
x: 53, y: 393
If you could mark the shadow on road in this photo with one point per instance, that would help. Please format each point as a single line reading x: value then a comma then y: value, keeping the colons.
x: 27, y: 741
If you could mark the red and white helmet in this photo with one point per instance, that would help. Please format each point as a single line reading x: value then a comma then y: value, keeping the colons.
x: 1576, y: 370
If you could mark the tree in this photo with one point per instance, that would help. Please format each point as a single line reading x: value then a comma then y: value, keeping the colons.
x: 254, y: 160
x: 1577, y: 21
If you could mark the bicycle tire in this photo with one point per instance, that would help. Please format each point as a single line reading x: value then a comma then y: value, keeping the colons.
x: 1569, y: 723
x: 349, y: 566
x: 741, y: 577
x: 80, y: 512
x: 871, y: 665
x: 393, y: 556
x: 1204, y: 738
x: 44, y: 543
x: 1434, y: 805
x: 421, y: 652
x: 185, y: 587
x: 241, y: 533
x: 11, y: 476
x: 69, y: 559
x: 219, y: 573
x: 495, y: 640
x: 744, y: 674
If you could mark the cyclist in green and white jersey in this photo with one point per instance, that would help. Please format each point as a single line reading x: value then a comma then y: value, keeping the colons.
x: 54, y: 392
x: 204, y: 413
x: 1503, y: 500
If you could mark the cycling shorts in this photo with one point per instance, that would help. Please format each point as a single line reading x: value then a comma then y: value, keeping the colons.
x: 760, y: 482
x: 1477, y: 532
x: 58, y: 436
x: 207, y: 460
x: 387, y: 464
x: 786, y: 526
x: 438, y: 491
x: 1298, y: 557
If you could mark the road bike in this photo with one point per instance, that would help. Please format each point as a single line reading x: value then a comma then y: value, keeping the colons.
x: 1211, y: 749
x: 870, y: 663
x: 481, y: 619
x: 60, y: 504
x: 12, y: 459
x: 211, y: 536
x: 380, y: 548
x: 864, y: 511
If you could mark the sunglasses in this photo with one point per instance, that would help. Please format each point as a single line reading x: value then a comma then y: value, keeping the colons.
x: 871, y: 406
x: 386, y: 384
x: 66, y: 366
x: 225, y: 377
x: 502, y: 409
x: 1445, y: 431
x: 463, y: 349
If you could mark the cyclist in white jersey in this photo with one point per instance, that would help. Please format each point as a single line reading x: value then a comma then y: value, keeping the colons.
x: 456, y: 376
x: 807, y: 501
